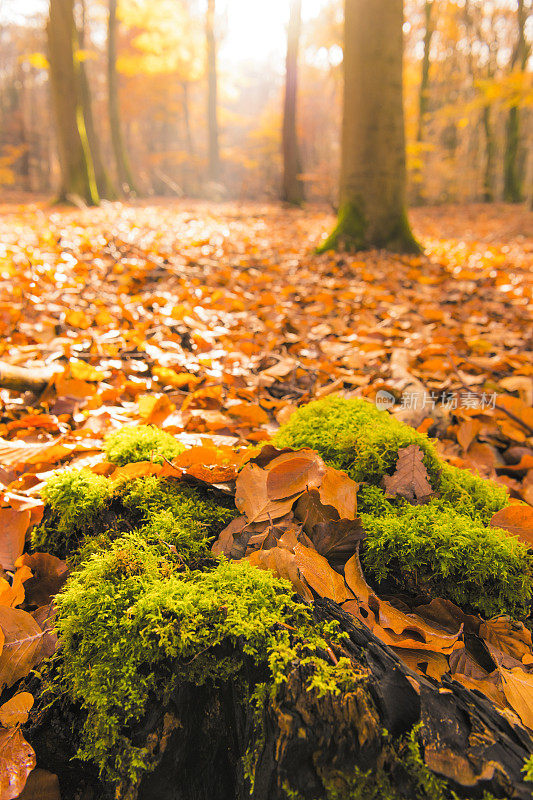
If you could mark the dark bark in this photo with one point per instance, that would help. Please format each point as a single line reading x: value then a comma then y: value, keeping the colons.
x: 308, y: 743
x: 512, y: 186
x: 423, y: 95
x: 124, y: 171
x: 292, y: 190
x: 77, y: 171
x: 212, y: 91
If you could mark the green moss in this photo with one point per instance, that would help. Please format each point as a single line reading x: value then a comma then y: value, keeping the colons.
x: 87, y: 512
x: 528, y: 769
x: 352, y: 232
x: 355, y: 436
x: 432, y: 549
x: 133, y: 626
x: 75, y: 498
x: 141, y: 443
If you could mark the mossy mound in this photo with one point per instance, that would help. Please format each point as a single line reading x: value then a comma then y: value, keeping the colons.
x: 355, y: 436
x: 435, y: 551
x: 444, y: 548
x: 141, y: 443
x: 87, y: 512
x: 133, y: 626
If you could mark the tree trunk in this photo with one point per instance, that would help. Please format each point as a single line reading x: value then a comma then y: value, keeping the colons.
x: 490, y: 150
x: 372, y: 210
x: 125, y: 175
x: 77, y: 172
x: 103, y: 182
x: 292, y: 190
x: 387, y: 738
x: 423, y: 95
x: 212, y: 118
x: 512, y: 185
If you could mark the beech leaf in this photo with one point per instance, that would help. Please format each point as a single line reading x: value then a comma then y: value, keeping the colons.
x: 518, y: 520
x: 17, y: 759
x: 22, y: 645
x: 15, y: 711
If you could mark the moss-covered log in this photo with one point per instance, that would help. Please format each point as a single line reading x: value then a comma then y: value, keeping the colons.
x: 393, y: 735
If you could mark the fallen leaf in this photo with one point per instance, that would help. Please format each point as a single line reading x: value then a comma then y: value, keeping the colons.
x: 16, y: 711
x: 13, y: 527
x: 467, y: 432
x: 433, y: 665
x: 41, y: 785
x: 508, y: 636
x: 17, y: 759
x: 518, y: 520
x: 292, y: 473
x: 410, y: 478
x: 251, y: 496
x: 22, y: 644
x: 47, y: 574
x: 337, y: 541
x: 320, y: 576
x: 518, y: 690
x: 284, y: 564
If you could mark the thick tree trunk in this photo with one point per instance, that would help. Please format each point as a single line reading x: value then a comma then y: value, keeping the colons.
x: 103, y: 181
x: 423, y: 95
x: 318, y: 748
x: 292, y: 190
x: 372, y: 211
x: 512, y: 178
x: 77, y: 172
x: 124, y: 172
x: 213, y: 172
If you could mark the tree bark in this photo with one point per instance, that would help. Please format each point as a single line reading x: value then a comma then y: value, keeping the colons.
x: 316, y: 747
x: 512, y: 186
x: 372, y: 210
x: 292, y: 189
x: 212, y: 90
x: 124, y: 172
x: 103, y: 181
x: 77, y: 172
x: 423, y: 95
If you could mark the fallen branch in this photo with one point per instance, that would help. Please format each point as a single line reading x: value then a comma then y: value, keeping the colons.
x: 22, y: 379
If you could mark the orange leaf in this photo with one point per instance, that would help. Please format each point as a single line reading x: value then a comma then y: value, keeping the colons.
x: 13, y: 527
x: 518, y: 690
x: 22, y: 644
x: 518, y: 520
x: 16, y: 710
x: 320, y: 576
x: 17, y: 759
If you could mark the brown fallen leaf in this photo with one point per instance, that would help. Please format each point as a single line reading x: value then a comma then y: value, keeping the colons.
x: 462, y: 662
x: 284, y: 564
x: 508, y: 636
x: 13, y: 527
x: 410, y: 479
x: 12, y: 594
x: 16, y: 711
x: 487, y: 686
x: 251, y: 496
x: 17, y: 759
x: 467, y: 432
x: 22, y: 645
x: 47, y: 574
x: 446, y: 614
x: 41, y: 785
x: 337, y: 541
x: 518, y: 690
x: 290, y: 474
x: 518, y: 520
x: 433, y: 665
x: 320, y: 575
x: 45, y: 616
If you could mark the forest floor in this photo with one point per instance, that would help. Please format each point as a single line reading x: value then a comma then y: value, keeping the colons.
x: 215, y: 322
x: 219, y: 319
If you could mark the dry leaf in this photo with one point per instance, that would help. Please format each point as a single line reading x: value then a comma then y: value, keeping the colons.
x: 320, y: 576
x: 251, y: 496
x: 13, y: 527
x: 47, y: 574
x: 17, y: 759
x: 410, y: 479
x: 337, y: 541
x: 433, y: 665
x: 292, y: 473
x: 518, y: 690
x: 518, y: 520
x: 284, y: 565
x: 508, y: 636
x: 16, y: 710
x: 22, y: 645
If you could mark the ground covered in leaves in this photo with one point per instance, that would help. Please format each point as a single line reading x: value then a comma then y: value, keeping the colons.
x: 214, y: 324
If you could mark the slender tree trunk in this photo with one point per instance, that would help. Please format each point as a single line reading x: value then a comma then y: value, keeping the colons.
x: 490, y: 151
x: 292, y: 190
x: 124, y: 172
x: 512, y: 187
x: 423, y: 96
x: 213, y: 171
x: 372, y: 211
x: 77, y: 172
x: 103, y: 181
